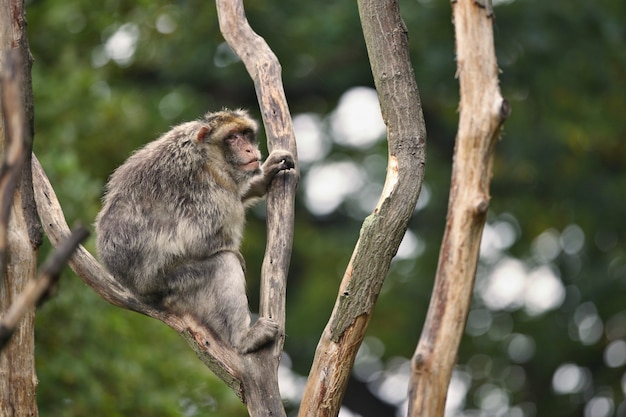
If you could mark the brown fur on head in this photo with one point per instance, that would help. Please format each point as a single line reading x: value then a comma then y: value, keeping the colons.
x: 222, y: 123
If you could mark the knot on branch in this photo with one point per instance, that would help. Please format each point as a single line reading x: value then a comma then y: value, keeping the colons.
x: 505, y: 110
x: 482, y: 206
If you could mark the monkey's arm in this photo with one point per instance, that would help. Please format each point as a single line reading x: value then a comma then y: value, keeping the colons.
x: 277, y: 161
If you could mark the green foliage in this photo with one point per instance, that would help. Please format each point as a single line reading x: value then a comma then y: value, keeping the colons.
x: 112, y: 76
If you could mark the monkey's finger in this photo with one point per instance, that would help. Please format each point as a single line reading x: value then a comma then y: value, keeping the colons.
x: 287, y: 163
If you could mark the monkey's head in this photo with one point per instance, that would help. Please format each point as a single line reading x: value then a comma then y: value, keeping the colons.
x: 233, y: 134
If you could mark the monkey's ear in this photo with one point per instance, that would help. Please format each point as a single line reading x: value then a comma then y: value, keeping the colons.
x: 202, y: 134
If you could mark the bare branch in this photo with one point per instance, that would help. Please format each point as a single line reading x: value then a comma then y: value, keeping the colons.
x: 17, y: 383
x: 382, y: 231
x: 265, y: 71
x: 482, y: 112
x: 15, y: 151
x: 261, y: 394
x: 37, y: 289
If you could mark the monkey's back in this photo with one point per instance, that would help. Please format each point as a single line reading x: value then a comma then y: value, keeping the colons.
x: 162, y: 207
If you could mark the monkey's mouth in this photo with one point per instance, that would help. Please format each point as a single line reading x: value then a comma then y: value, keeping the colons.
x: 251, y: 165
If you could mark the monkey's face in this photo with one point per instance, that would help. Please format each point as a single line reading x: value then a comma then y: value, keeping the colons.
x: 232, y: 135
x: 242, y: 151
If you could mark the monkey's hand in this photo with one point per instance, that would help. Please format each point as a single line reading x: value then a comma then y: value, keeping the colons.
x: 277, y: 161
x: 260, y: 334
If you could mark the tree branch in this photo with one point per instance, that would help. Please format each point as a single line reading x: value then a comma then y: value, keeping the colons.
x: 22, y: 234
x: 262, y: 396
x: 265, y: 71
x: 37, y: 289
x: 16, y: 138
x: 482, y: 112
x: 382, y: 231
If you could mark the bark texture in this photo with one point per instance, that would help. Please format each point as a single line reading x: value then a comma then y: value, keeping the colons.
x: 20, y: 236
x: 482, y: 112
x: 387, y: 44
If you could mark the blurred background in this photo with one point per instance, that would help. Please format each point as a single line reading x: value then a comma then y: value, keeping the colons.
x: 546, y: 335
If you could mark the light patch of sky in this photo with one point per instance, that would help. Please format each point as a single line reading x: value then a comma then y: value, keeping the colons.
x: 411, y: 246
x: 521, y: 348
x: 546, y: 247
x: 313, y: 145
x: 587, y: 326
x: 497, y: 237
x: 572, y: 239
x: 570, y: 378
x: 424, y: 197
x: 510, y: 286
x: 357, y: 120
x: 346, y: 412
x: 550, y: 243
x: 166, y: 23
x: 615, y: 354
x: 327, y: 185
x: 224, y: 56
x: 600, y: 406
x: 368, y: 364
x: 479, y: 321
x: 493, y: 400
x: 291, y: 384
x: 394, y: 382
x: 457, y: 391
x: 544, y: 291
x: 121, y: 45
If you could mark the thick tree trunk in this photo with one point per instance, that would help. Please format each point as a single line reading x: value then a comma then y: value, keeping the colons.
x: 20, y: 237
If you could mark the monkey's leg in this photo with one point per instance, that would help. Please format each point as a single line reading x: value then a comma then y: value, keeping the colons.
x: 214, y: 291
x: 229, y: 285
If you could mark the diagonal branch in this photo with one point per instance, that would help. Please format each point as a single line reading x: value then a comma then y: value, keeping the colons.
x: 482, y: 113
x: 382, y: 231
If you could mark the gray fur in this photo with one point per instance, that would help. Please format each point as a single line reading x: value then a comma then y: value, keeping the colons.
x: 172, y: 220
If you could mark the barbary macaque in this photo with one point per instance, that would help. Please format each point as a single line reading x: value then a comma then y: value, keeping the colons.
x: 172, y: 221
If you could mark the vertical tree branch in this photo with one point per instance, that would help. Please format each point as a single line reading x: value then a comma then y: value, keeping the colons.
x: 260, y: 380
x: 14, y: 144
x: 387, y: 45
x: 17, y: 360
x: 482, y: 112
x: 265, y: 71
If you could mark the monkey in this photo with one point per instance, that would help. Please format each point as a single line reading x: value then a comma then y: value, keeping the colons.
x: 172, y: 220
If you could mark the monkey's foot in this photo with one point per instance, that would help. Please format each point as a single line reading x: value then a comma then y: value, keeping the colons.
x: 260, y: 334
